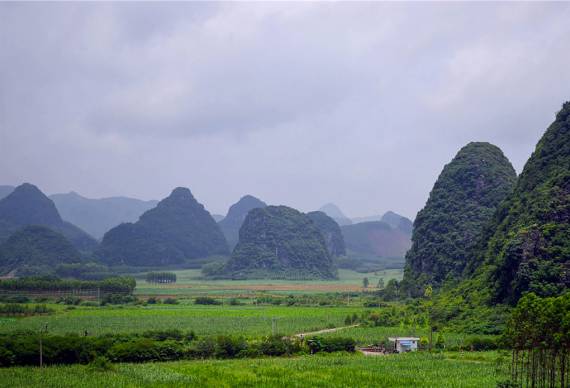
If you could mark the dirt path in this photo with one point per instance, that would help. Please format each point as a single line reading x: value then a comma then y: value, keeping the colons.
x: 302, y: 335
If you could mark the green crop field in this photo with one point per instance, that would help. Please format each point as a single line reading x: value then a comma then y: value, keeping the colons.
x: 190, y: 283
x: 246, y: 320
x: 339, y: 370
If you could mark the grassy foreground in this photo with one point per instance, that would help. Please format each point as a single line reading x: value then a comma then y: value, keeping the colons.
x: 339, y: 370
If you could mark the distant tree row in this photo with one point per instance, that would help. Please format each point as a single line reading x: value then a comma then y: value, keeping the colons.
x: 161, y: 277
x: 119, y: 285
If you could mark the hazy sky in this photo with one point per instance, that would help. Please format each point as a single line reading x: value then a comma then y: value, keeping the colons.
x: 360, y: 104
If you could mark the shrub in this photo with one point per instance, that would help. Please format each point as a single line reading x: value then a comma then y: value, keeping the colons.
x: 163, y: 335
x: 278, y: 346
x: 152, y: 300
x: 331, y: 344
x: 101, y: 364
x: 206, y: 300
x: 229, y: 347
x: 170, y: 301
x: 144, y: 349
x: 481, y: 343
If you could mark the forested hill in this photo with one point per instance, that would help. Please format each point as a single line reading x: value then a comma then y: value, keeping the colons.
x: 27, y: 205
x: 331, y: 233
x: 279, y: 242
x: 97, y: 216
x: 528, y: 243
x: 177, y: 231
x: 462, y: 201
x: 236, y: 215
x: 36, y: 250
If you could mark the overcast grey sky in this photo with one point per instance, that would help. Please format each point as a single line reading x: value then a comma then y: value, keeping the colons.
x: 360, y: 104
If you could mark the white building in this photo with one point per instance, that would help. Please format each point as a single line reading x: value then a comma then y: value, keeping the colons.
x: 405, y: 344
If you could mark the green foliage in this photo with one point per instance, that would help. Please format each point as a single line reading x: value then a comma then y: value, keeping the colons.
x: 83, y: 271
x: 115, y: 285
x: 36, y: 249
x: 331, y: 344
x: 365, y: 282
x: 13, y: 309
x: 279, y: 242
x: 206, y: 300
x: 539, y: 330
x: 101, y: 364
x: 331, y: 233
x: 528, y: 244
x: 232, y: 222
x: 462, y: 201
x: 177, y: 230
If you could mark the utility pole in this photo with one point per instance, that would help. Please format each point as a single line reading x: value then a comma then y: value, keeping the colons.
x: 41, y: 346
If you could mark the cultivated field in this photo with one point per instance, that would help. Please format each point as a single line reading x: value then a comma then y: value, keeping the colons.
x: 190, y: 283
x: 337, y: 370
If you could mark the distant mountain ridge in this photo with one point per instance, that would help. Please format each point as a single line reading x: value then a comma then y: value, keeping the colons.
x: 5, y: 190
x: 237, y: 213
x: 333, y: 211
x: 177, y: 231
x: 27, y: 205
x: 376, y: 238
x: 97, y: 216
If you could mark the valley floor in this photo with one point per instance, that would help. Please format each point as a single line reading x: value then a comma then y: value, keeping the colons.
x: 335, y: 370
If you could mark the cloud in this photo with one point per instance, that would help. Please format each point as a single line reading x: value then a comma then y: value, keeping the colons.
x: 301, y: 104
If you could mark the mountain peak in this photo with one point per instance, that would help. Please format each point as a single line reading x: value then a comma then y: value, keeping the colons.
x: 231, y: 224
x: 28, y: 205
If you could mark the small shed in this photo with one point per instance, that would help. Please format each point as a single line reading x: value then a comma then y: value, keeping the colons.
x: 405, y: 344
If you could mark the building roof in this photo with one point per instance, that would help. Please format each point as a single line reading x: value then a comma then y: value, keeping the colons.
x: 393, y: 339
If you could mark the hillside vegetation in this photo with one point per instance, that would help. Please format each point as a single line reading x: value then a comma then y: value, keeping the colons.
x: 175, y: 232
x: 462, y: 201
x: 36, y: 250
x: 279, y: 242
x: 528, y: 242
x: 331, y: 233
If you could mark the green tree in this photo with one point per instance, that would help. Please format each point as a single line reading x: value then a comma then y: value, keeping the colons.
x: 365, y: 282
x: 381, y: 283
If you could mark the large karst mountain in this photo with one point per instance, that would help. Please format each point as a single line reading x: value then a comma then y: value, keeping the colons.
x: 27, y: 205
x: 279, y: 242
x: 36, y: 250
x: 331, y: 233
x: 177, y: 231
x: 97, y: 216
x: 236, y: 215
x: 462, y: 201
x: 528, y: 243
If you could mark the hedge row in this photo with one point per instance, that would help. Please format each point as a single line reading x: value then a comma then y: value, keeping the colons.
x: 23, y: 348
